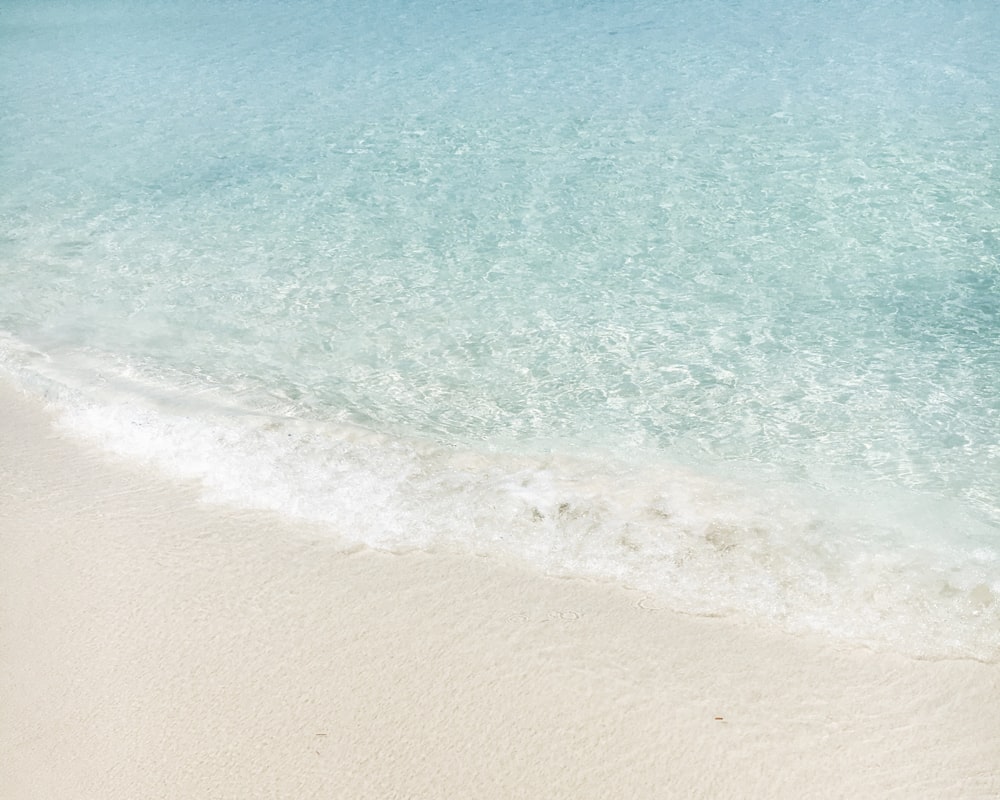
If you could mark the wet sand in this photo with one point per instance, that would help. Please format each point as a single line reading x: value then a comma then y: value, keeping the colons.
x: 153, y: 646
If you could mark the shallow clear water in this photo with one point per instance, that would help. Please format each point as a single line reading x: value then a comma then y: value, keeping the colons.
x: 699, y: 297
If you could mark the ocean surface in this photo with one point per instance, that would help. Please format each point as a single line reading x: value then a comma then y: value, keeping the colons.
x: 699, y: 297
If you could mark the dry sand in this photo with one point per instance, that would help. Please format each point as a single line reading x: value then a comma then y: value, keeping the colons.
x: 152, y: 646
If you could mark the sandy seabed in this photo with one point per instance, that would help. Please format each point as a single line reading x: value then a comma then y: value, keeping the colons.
x: 153, y: 646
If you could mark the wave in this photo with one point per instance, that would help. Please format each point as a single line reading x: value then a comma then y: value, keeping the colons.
x: 864, y: 563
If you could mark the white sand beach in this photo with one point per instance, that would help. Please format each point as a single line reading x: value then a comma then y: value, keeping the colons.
x: 153, y: 646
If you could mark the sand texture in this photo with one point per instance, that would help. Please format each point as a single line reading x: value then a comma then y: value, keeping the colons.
x: 152, y: 646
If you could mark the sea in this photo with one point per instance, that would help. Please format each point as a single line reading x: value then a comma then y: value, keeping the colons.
x: 698, y: 297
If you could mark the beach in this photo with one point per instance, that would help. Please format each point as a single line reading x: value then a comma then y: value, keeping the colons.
x: 543, y: 400
x: 156, y: 646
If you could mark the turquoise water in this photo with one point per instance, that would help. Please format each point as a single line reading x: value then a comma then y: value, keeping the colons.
x: 699, y: 297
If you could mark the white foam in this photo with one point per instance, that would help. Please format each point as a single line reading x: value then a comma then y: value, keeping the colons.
x: 873, y: 569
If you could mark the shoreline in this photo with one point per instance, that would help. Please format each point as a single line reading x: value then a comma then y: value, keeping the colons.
x: 152, y: 645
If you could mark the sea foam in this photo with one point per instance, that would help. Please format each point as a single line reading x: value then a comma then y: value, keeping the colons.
x: 714, y: 542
